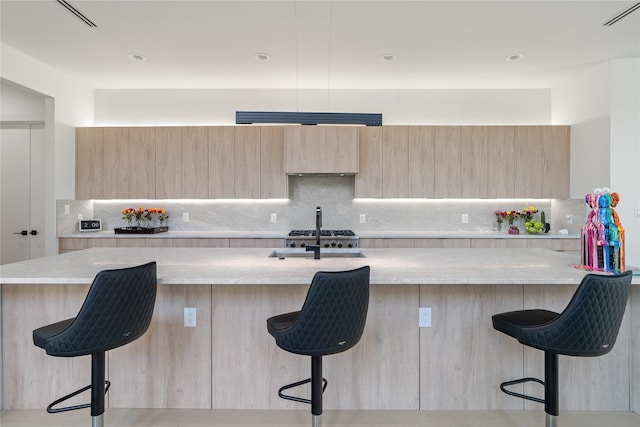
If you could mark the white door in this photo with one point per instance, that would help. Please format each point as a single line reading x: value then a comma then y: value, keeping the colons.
x: 22, y: 192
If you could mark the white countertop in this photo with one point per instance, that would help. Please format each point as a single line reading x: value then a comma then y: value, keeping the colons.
x: 212, y: 266
x: 249, y: 234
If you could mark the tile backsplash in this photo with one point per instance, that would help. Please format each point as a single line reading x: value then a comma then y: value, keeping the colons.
x: 340, y: 211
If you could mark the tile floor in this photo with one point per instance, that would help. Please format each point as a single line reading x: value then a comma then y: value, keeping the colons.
x: 300, y: 418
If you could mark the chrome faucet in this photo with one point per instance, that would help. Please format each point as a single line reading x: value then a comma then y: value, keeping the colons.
x: 316, y: 248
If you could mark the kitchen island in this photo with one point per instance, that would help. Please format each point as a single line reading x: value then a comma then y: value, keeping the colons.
x: 229, y: 360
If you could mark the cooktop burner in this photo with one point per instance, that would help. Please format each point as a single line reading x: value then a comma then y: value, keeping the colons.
x: 323, y: 233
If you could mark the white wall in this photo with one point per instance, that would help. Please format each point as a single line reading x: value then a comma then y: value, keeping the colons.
x: 625, y: 149
x: 139, y: 107
x: 67, y: 104
x: 73, y: 107
x: 584, y: 103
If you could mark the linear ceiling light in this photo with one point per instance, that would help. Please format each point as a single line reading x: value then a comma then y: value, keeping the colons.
x: 77, y: 13
x: 272, y: 117
x: 622, y: 14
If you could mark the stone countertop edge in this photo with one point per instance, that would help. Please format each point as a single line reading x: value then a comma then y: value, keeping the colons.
x: 282, y: 235
x: 211, y: 266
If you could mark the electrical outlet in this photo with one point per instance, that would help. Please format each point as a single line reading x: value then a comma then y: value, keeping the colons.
x: 424, y: 317
x: 636, y: 212
x: 569, y: 219
x: 274, y: 217
x: 363, y: 218
x: 185, y: 217
x: 80, y: 217
x: 465, y: 218
x: 67, y: 209
x: 189, y: 317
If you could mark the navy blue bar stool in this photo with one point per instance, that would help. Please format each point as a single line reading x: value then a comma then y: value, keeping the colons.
x: 331, y: 321
x: 587, y: 327
x: 117, y: 310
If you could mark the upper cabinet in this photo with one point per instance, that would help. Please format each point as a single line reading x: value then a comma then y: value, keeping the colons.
x: 194, y: 162
x: 321, y: 149
x: 251, y: 162
x: 464, y: 162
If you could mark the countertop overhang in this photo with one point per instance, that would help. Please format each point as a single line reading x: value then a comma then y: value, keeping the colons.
x: 242, y: 266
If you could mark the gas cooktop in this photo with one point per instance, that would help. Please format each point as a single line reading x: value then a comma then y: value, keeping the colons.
x: 323, y: 233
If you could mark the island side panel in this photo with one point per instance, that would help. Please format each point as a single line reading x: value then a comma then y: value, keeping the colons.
x: 635, y: 348
x: 379, y: 373
x: 463, y: 359
x: 169, y: 366
x: 32, y: 379
x: 586, y: 383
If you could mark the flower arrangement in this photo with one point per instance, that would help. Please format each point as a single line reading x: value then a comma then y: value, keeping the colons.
x: 145, y: 215
x: 511, y: 216
x: 500, y: 215
x: 527, y: 214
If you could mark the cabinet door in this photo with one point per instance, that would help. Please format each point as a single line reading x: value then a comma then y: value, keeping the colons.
x: 368, y: 181
x: 500, y: 161
x: 89, y: 175
x: 116, y: 181
x: 273, y: 180
x: 341, y: 147
x: 421, y: 161
x: 168, y: 163
x: 528, y: 162
x: 555, y: 150
x: 321, y: 149
x: 195, y: 163
x: 395, y: 161
x: 473, y: 161
x: 221, y: 162
x: 448, y: 176
x: 247, y: 162
x: 143, y: 163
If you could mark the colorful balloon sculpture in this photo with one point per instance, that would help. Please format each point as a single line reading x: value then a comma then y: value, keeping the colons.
x: 602, y: 245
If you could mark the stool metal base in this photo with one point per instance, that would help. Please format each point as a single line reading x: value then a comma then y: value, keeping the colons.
x: 551, y: 420
x: 317, y: 421
x: 97, y: 420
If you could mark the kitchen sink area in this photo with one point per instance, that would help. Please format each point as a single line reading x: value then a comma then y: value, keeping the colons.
x: 324, y: 253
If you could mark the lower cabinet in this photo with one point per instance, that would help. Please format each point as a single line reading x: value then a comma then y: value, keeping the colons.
x: 75, y: 244
x: 564, y: 245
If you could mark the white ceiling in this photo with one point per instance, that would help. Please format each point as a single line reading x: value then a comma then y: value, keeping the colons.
x: 321, y: 44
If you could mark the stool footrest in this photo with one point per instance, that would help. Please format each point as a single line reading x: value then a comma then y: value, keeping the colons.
x: 52, y: 410
x: 296, y: 384
x: 520, y: 395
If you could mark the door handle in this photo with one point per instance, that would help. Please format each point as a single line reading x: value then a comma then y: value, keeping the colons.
x: 23, y: 232
x: 34, y: 232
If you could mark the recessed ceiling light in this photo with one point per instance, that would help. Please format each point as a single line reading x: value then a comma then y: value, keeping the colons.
x: 388, y: 57
x: 136, y: 57
x: 262, y: 57
x: 515, y: 57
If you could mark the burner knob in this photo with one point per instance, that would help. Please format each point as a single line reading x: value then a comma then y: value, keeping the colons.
x: 326, y: 244
x: 340, y: 244
x: 302, y: 245
x: 350, y: 245
x: 333, y: 244
x: 292, y: 244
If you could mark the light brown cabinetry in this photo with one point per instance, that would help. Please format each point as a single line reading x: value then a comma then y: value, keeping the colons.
x: 221, y: 167
x: 464, y: 162
x: 500, y: 161
x: 368, y: 181
x: 116, y: 181
x: 168, y: 163
x: 143, y: 162
x: 89, y: 147
x: 195, y: 162
x: 273, y: 180
x: 321, y: 149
